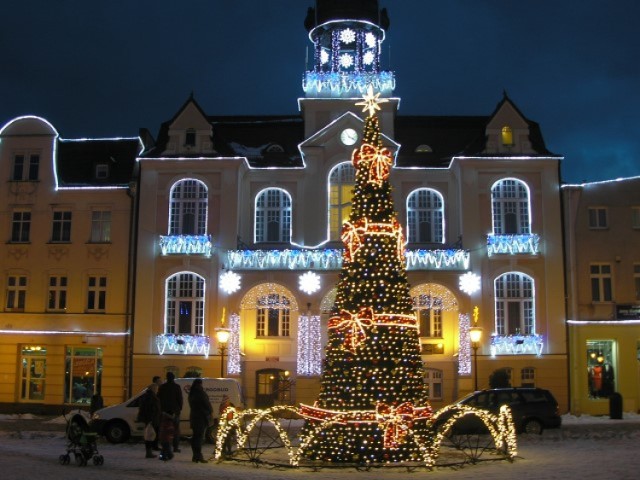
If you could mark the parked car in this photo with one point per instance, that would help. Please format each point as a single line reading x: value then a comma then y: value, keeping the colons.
x: 533, y: 409
x: 118, y: 422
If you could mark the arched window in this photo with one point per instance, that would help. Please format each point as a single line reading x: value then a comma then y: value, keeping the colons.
x: 507, y: 135
x: 425, y: 216
x: 184, y: 311
x: 188, y: 208
x: 342, y: 179
x: 514, y: 297
x: 273, y: 216
x: 273, y: 316
x: 511, y: 207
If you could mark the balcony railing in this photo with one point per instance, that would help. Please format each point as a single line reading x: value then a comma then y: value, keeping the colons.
x: 183, y: 344
x: 186, y: 245
x: 331, y: 259
x: 516, y: 344
x: 513, y: 244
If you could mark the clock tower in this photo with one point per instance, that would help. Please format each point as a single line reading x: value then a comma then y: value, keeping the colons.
x: 346, y: 58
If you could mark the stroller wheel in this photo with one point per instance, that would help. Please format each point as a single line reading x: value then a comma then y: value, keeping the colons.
x: 64, y: 459
x: 80, y: 460
x: 98, y: 460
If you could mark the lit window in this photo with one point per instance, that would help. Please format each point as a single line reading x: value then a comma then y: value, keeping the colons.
x: 510, y: 207
x: 96, y: 293
x: 188, y: 208
x: 507, y: 136
x: 273, y: 316
x: 100, y: 226
x: 20, y: 226
x: 429, y: 320
x: 34, y: 372
x: 83, y: 378
x: 528, y: 377
x: 57, y: 294
x: 61, y: 231
x: 341, y: 182
x: 273, y: 216
x: 184, y: 311
x: 601, y: 284
x: 425, y: 216
x: 16, y: 292
x: 514, y: 303
x: 598, y: 218
x: 601, y: 366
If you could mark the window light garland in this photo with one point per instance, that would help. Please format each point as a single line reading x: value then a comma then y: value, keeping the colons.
x: 234, y: 365
x: 513, y: 244
x: 350, y: 83
x: 464, y: 352
x: 438, y: 259
x: 516, y: 344
x: 183, y: 344
x: 186, y: 245
x: 309, y: 345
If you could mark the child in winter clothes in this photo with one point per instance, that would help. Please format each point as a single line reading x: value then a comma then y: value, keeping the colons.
x: 167, y: 431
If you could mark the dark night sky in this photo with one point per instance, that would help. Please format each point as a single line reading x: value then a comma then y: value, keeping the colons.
x: 107, y: 68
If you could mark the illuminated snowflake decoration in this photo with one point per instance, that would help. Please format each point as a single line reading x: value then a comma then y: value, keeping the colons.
x: 346, y: 60
x: 230, y: 282
x: 370, y: 40
x: 469, y: 283
x: 309, y: 283
x: 347, y: 36
x: 324, y: 57
x: 368, y: 58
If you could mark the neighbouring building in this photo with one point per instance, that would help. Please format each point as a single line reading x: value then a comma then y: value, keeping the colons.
x: 237, y: 224
x: 602, y: 234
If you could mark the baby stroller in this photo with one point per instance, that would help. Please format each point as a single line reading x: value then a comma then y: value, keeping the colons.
x: 82, y: 442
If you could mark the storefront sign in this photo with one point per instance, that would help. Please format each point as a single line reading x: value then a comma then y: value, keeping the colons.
x: 628, y: 312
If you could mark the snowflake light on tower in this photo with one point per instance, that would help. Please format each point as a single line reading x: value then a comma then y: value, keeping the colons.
x: 469, y: 283
x: 309, y: 283
x: 347, y: 36
x: 346, y: 60
x: 230, y: 282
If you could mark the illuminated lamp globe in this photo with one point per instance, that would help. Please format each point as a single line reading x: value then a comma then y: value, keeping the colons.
x: 475, y: 333
x: 222, y: 335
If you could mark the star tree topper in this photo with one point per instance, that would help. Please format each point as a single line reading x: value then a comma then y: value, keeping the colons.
x: 371, y: 101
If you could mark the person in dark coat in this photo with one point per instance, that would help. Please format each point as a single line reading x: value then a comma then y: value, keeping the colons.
x: 200, y: 418
x: 165, y: 435
x: 149, y: 413
x: 170, y: 396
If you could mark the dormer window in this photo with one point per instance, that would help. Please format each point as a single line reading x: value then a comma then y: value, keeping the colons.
x: 424, y: 148
x: 507, y: 136
x: 102, y: 171
x: 190, y: 138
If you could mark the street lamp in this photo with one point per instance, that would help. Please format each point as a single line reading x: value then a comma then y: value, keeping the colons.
x: 222, y: 335
x: 475, y: 333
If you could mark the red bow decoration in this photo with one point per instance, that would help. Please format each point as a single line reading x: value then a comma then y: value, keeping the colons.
x: 396, y: 422
x: 378, y: 159
x: 355, y: 325
x: 352, y: 238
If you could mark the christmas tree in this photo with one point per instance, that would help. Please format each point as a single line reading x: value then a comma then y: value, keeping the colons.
x: 372, y: 406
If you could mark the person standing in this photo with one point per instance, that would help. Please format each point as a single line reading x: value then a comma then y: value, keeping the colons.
x: 149, y: 414
x: 199, y: 418
x: 170, y: 396
x: 157, y: 379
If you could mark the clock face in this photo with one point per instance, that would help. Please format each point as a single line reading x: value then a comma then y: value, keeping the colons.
x: 349, y: 136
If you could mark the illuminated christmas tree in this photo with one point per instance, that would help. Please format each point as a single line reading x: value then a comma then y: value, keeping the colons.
x: 372, y: 406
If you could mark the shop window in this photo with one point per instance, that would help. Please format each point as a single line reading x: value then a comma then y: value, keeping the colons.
x: 33, y: 373
x: 601, y: 367
x: 83, y: 374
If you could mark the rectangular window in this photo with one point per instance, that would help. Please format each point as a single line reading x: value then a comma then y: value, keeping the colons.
x: 598, y: 218
x: 20, y: 226
x: 528, y: 377
x: 25, y: 167
x: 96, y: 294
x: 16, y: 292
x: 57, y: 295
x: 33, y: 374
x: 100, y: 226
x: 433, y: 380
x: 83, y: 367
x: 601, y: 286
x: 636, y: 279
x: 61, y: 231
x: 601, y: 367
x: 635, y: 217
x: 102, y: 171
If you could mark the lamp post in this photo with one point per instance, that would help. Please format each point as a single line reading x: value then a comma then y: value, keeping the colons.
x: 222, y: 335
x: 475, y: 333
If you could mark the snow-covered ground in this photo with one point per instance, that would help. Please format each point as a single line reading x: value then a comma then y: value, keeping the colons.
x: 584, y: 448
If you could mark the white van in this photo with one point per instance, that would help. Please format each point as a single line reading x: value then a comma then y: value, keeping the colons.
x: 118, y: 422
